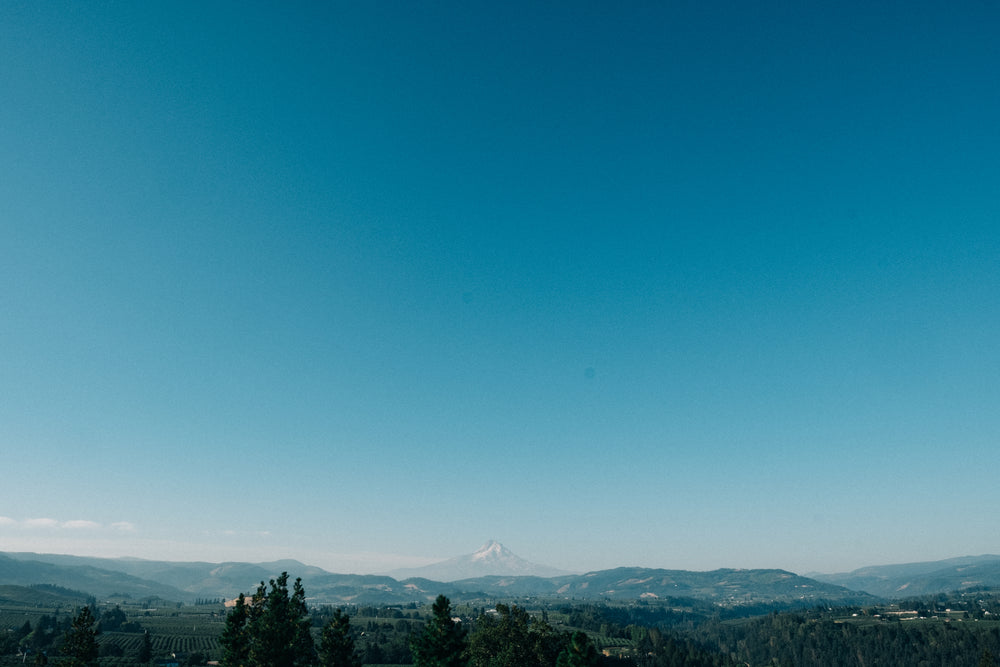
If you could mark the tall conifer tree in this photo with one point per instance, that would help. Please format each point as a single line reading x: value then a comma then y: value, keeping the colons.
x: 336, y: 648
x: 80, y: 641
x: 272, y: 630
x: 442, y: 642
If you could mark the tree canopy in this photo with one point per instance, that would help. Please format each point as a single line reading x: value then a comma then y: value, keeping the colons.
x: 80, y: 641
x: 579, y: 652
x: 272, y: 630
x: 442, y: 642
x: 336, y: 648
x: 513, y: 638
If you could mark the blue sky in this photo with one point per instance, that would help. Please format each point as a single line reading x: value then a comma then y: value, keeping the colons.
x: 682, y: 285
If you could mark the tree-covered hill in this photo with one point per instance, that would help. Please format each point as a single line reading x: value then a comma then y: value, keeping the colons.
x: 186, y: 582
x: 41, y: 595
x: 725, y: 585
x: 92, y: 580
x: 926, y: 578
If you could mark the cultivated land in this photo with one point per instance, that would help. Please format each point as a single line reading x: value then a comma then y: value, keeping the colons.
x: 956, y: 630
x: 635, y: 616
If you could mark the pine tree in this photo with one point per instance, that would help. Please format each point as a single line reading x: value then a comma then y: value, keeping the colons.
x: 235, y: 637
x: 80, y: 641
x: 272, y: 630
x: 442, y: 642
x: 280, y: 626
x: 336, y: 648
x: 146, y: 650
x: 580, y: 652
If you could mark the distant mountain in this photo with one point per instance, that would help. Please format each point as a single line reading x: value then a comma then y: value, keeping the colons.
x: 103, y: 577
x: 179, y: 581
x: 724, y: 586
x: 493, y: 572
x: 491, y: 559
x: 187, y: 581
x: 22, y: 570
x: 923, y: 578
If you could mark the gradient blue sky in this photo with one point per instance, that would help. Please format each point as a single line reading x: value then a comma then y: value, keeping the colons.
x: 681, y: 284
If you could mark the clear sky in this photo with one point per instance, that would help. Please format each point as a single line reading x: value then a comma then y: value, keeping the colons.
x: 669, y: 284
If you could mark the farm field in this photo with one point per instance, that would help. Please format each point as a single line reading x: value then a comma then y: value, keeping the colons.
x: 191, y: 632
x: 180, y: 631
x: 961, y: 631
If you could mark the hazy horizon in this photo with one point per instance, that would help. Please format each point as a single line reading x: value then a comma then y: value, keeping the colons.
x: 681, y: 285
x: 423, y: 562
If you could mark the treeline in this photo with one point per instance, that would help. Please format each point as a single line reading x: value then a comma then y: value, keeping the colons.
x: 73, y: 639
x: 799, y: 639
x: 57, y: 635
x: 43, y: 635
x: 209, y: 601
x: 959, y: 631
x: 623, y: 621
x: 274, y: 628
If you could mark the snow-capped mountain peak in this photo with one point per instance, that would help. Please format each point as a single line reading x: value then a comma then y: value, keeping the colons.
x: 492, y: 550
x: 492, y: 558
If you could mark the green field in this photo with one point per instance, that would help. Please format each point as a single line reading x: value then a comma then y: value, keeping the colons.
x: 962, y: 631
x: 172, y: 631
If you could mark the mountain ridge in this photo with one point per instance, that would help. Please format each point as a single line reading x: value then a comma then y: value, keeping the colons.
x: 187, y: 581
x: 920, y: 578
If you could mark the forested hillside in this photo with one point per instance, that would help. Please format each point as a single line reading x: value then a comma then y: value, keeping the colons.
x: 960, y: 629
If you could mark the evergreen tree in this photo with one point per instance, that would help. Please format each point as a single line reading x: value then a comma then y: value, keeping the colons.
x: 580, y: 652
x: 442, y: 642
x: 235, y: 637
x: 273, y: 630
x: 146, y: 650
x: 80, y: 641
x: 512, y: 638
x: 336, y: 648
x: 502, y: 640
x: 374, y: 653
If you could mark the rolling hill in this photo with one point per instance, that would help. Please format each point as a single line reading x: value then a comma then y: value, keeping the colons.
x: 187, y: 581
x: 41, y: 595
x: 924, y: 578
x: 725, y: 586
x: 495, y: 573
x: 103, y: 581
